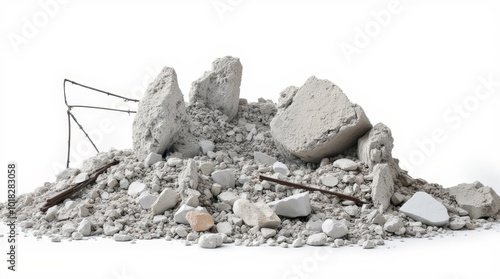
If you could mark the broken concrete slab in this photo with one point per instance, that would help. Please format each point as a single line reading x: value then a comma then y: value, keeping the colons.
x: 382, y: 186
x: 161, y: 115
x: 219, y: 88
x: 256, y: 214
x: 320, y: 122
x: 167, y: 199
x: 478, y: 200
x: 376, y: 146
x: 424, y: 208
x: 298, y: 205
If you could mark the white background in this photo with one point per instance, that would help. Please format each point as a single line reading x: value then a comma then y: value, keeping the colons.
x: 413, y: 68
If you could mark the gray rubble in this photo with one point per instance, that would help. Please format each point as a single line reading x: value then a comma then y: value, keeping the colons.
x: 320, y: 122
x: 477, y: 199
x: 161, y: 115
x: 210, y: 162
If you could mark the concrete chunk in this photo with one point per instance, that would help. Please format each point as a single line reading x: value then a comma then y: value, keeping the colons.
x: 382, y: 186
x: 167, y: 199
x: 263, y: 159
x: 478, y: 200
x: 376, y: 146
x: 219, y: 88
x: 298, y: 205
x: 161, y: 115
x: 180, y: 214
x: 320, y: 122
x: 256, y: 214
x: 424, y: 208
x: 152, y: 158
x: 226, y: 178
x: 334, y: 228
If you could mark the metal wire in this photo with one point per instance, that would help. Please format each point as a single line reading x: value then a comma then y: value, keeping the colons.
x: 72, y: 116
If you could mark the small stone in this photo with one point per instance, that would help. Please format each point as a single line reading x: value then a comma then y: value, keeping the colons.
x: 263, y: 159
x: 225, y: 228
x: 152, y: 158
x: 55, y: 239
x: 297, y: 243
x: 267, y: 233
x: 345, y: 164
x: 256, y: 214
x: 124, y: 184
x: 225, y: 178
x: 110, y: 229
x: 207, y: 145
x: 68, y: 229
x: 393, y: 225
x: 206, y: 168
x: 85, y: 227
x: 76, y: 236
x: 136, y: 188
x: 160, y: 219
x: 382, y: 186
x: 397, y: 199
x: 210, y: 241
x: 352, y: 210
x: 181, y: 231
x: 368, y: 244
x: 314, y: 225
x: 200, y: 221
x: 334, y: 228
x: 298, y: 205
x: 424, y: 208
x: 216, y: 189
x: 330, y: 180
x: 457, y: 224
x: 281, y: 168
x: 339, y: 242
x: 477, y: 199
x: 317, y: 239
x: 174, y: 162
x: 83, y: 211
x: 122, y: 237
x: 166, y: 200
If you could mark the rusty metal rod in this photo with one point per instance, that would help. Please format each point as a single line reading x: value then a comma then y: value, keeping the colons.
x: 303, y: 187
x: 60, y: 197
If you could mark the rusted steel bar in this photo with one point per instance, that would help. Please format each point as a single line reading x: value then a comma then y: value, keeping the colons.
x: 303, y: 187
x: 75, y: 188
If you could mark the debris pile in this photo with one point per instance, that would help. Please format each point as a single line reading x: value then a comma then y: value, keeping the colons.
x: 196, y: 173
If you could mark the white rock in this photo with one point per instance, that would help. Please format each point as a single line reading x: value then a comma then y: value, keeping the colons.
x: 345, y: 164
x: 279, y: 167
x: 334, y: 228
x: 174, y: 162
x: 319, y: 122
x: 330, y: 180
x: 298, y: 205
x: 110, y: 229
x: 76, y: 236
x: 376, y: 146
x: 85, y: 227
x: 207, y: 168
x: 81, y: 177
x: 267, y: 232
x: 368, y: 244
x: 210, y: 240
x: 299, y: 242
x: 122, y: 237
x: 393, y: 224
x: 146, y: 201
x: 67, y: 229
x: 180, y: 214
x: 225, y: 228
x: 220, y: 87
x: 216, y: 189
x: 228, y: 197
x: 225, y: 177
x: 457, y: 224
x: 263, y: 159
x: 161, y: 115
x: 477, y: 199
x: 167, y: 199
x: 256, y: 214
x: 152, y: 158
x: 124, y: 184
x: 424, y: 208
x: 206, y: 145
x: 317, y: 239
x: 188, y: 178
x: 382, y: 186
x: 314, y: 225
x: 136, y: 188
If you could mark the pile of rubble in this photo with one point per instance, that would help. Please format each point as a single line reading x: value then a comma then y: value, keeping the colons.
x: 193, y: 174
